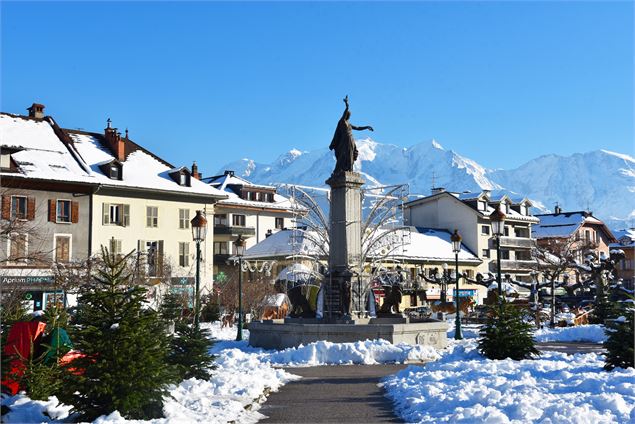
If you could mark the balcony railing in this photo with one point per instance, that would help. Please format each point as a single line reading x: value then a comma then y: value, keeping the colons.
x: 226, y: 230
x: 510, y: 264
x: 516, y: 242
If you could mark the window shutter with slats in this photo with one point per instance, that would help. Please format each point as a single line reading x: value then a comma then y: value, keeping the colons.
x: 6, y: 207
x: 105, y: 213
x: 30, y: 208
x: 52, y: 210
x: 126, y: 215
x: 74, y: 212
x: 160, y: 258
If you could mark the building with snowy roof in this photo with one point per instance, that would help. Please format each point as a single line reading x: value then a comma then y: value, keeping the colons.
x: 83, y: 190
x: 626, y: 267
x: 469, y: 213
x: 412, y: 250
x: 253, y: 211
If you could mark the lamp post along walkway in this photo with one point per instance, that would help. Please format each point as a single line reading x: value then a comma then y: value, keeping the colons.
x: 199, y: 231
x: 240, y: 251
x: 498, y: 229
x: 456, y: 248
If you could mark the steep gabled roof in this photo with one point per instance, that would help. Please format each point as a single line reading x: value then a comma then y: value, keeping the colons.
x: 38, y: 152
x: 565, y: 224
x: 141, y: 168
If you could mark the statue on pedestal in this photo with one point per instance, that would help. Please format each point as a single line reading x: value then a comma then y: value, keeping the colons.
x: 343, y: 142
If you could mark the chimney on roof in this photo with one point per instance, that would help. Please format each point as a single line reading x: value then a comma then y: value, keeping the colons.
x: 437, y: 190
x: 115, y: 142
x: 195, y: 173
x: 557, y: 209
x: 36, y: 111
x: 230, y: 173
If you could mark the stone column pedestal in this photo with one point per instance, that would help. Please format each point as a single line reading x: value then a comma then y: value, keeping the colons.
x: 345, y: 218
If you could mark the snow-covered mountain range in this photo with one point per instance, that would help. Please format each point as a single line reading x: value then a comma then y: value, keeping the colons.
x: 600, y: 181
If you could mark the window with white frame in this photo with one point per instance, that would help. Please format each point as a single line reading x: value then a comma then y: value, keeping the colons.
x: 152, y: 216
x: 280, y: 223
x: 18, y: 207
x: 506, y: 231
x: 485, y: 230
x: 220, y: 219
x: 116, y: 214
x: 62, y: 248
x: 63, y: 214
x: 115, y: 246
x: 238, y: 220
x: 485, y: 253
x: 482, y: 205
x: 184, y: 218
x: 184, y: 254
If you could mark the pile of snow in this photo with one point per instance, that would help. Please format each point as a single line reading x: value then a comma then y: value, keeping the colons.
x: 241, y: 380
x: 463, y: 386
x: 592, y: 333
x: 368, y: 352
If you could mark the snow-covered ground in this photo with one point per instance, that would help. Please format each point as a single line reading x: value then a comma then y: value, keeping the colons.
x: 592, y: 333
x: 242, y: 378
x: 463, y: 386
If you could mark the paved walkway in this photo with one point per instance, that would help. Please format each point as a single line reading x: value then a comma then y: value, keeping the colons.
x: 571, y: 347
x: 333, y: 394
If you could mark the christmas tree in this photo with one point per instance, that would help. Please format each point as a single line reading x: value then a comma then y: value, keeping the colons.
x: 506, y: 335
x: 124, y: 346
x: 189, y: 347
x: 620, y: 335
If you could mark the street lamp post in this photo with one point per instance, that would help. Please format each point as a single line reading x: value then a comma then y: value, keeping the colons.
x: 240, y: 251
x: 498, y: 229
x: 456, y: 248
x: 199, y: 231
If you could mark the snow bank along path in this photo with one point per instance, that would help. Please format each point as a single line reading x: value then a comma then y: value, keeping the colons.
x: 463, y: 386
x: 240, y: 382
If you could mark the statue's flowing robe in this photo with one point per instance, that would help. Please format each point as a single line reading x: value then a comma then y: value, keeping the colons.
x: 344, y: 146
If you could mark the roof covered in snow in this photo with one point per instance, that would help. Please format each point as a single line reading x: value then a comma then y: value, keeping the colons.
x: 141, y: 169
x: 410, y: 243
x: 625, y: 238
x: 564, y: 224
x: 38, y: 152
x: 468, y: 200
x: 229, y: 184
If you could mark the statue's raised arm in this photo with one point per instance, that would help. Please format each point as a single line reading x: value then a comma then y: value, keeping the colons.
x: 343, y: 142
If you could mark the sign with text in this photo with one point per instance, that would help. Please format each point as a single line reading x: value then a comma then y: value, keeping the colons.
x: 8, y: 279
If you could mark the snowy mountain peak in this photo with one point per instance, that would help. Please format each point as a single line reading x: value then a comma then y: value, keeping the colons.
x: 627, y: 158
x: 601, y: 180
x: 436, y: 145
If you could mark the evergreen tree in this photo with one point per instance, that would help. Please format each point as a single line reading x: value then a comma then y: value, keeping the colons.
x: 506, y: 335
x: 190, y: 352
x: 125, y: 348
x: 619, y: 343
x: 189, y: 347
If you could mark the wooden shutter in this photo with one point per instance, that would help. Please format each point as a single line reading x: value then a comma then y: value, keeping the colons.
x: 62, y: 249
x: 74, y: 212
x: 52, y: 210
x: 126, y: 215
x: 30, y: 208
x: 6, y: 207
x: 105, y: 213
x: 159, y: 261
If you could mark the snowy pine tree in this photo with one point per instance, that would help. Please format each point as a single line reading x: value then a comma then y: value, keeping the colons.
x: 506, y: 335
x: 189, y: 347
x: 124, y: 349
x: 620, y: 335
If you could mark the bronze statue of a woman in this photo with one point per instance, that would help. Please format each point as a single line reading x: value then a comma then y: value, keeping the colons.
x: 343, y: 142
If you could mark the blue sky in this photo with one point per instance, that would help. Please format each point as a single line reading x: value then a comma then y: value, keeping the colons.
x: 499, y: 82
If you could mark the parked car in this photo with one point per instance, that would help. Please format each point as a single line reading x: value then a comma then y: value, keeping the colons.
x: 419, y: 312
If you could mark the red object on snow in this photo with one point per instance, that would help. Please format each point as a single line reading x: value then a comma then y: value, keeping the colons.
x: 21, y: 337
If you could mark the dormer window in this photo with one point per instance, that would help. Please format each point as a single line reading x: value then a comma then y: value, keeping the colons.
x: 482, y: 205
x: 181, y: 176
x: 113, y: 169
